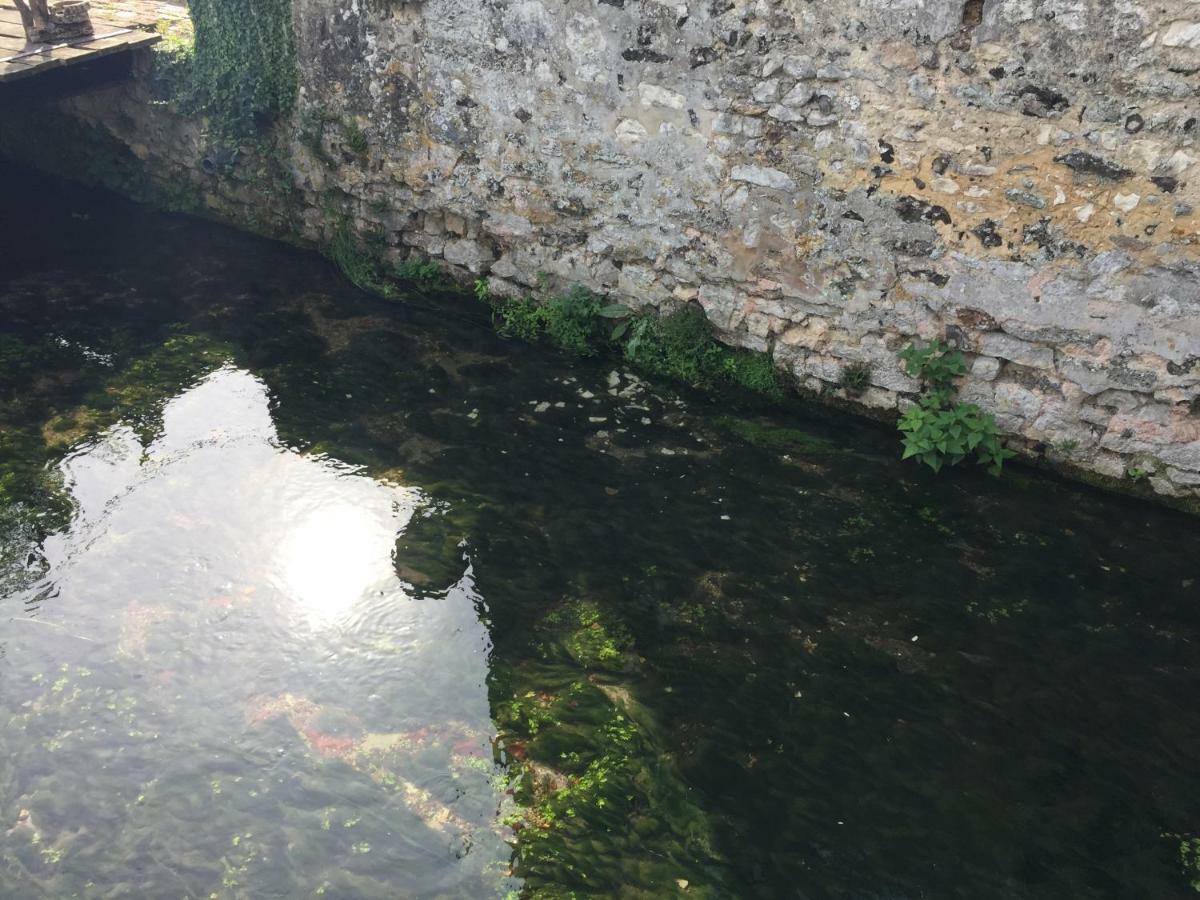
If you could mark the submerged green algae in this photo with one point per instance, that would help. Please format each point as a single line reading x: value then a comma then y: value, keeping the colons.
x: 768, y: 436
x: 430, y: 553
x: 603, y: 809
x: 579, y: 629
x: 135, y: 394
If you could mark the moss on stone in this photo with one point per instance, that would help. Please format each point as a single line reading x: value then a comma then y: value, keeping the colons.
x: 429, y: 553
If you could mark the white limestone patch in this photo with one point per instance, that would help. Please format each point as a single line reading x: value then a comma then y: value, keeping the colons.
x: 763, y: 177
x: 1182, y: 34
x: 657, y: 95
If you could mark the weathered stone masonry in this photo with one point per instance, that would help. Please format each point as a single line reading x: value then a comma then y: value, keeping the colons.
x: 829, y: 180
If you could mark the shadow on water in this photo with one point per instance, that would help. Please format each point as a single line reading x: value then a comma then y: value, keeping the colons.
x: 309, y: 591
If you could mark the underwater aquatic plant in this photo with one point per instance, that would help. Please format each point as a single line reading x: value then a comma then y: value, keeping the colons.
x: 587, y: 635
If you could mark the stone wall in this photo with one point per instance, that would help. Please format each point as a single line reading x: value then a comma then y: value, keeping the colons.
x: 829, y: 180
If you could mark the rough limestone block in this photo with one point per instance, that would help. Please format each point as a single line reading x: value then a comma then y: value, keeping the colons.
x: 1015, y: 350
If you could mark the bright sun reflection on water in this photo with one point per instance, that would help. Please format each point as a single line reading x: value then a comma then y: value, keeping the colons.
x: 333, y: 556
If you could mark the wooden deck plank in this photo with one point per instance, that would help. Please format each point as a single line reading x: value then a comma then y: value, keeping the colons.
x: 53, y: 53
x: 20, y: 63
x: 30, y: 65
x: 77, y: 48
x: 118, y: 26
x: 17, y: 69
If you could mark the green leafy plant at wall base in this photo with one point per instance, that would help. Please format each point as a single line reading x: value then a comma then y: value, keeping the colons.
x: 519, y: 318
x: 940, y: 431
x: 421, y: 271
x: 359, y: 267
x: 572, y: 320
x: 679, y: 345
x: 946, y: 436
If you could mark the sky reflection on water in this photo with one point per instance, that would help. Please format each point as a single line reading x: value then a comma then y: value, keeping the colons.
x: 238, y: 586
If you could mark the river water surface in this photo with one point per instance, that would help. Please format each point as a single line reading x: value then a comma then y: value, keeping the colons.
x: 310, y: 593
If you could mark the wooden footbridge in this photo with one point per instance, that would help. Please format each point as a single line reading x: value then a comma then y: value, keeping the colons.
x: 120, y: 26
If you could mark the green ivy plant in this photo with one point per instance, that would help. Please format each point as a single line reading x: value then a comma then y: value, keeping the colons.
x: 241, y: 70
x: 940, y: 430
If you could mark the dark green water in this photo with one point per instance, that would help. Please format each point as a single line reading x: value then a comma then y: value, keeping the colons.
x: 307, y: 593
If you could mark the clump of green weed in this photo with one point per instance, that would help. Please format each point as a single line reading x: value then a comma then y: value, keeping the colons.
x: 520, y: 318
x: 355, y: 137
x: 422, y: 271
x: 939, y: 430
x: 681, y: 346
x: 856, y: 377
x: 573, y: 319
x: 752, y: 371
x: 361, y: 268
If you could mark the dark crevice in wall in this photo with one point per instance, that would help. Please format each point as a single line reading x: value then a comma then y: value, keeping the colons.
x: 972, y: 14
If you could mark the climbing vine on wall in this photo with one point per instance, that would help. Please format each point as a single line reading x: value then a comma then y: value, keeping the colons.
x: 242, y: 70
